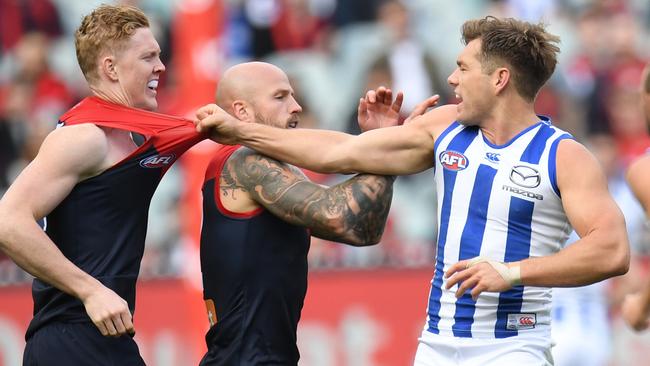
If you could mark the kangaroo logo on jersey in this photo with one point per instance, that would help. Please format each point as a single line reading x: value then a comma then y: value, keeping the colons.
x: 493, y: 157
x: 157, y: 161
x: 453, y: 160
x: 525, y: 176
x: 521, y: 321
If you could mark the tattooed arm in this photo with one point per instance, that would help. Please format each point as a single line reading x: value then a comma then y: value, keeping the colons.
x: 352, y: 212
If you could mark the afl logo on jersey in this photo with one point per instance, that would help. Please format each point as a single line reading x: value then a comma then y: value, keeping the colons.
x: 453, y: 160
x: 157, y: 161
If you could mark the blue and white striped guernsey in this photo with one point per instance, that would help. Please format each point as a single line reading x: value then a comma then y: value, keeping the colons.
x: 501, y: 202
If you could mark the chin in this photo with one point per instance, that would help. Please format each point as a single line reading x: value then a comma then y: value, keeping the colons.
x: 151, y: 106
x: 466, y: 121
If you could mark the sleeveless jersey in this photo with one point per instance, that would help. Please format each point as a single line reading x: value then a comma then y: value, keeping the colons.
x: 254, y: 268
x: 100, y: 226
x: 501, y: 202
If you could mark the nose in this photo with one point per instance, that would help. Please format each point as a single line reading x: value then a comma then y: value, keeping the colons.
x: 453, y: 79
x: 159, y: 67
x: 295, y: 107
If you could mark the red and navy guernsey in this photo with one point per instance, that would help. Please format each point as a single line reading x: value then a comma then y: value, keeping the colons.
x: 254, y: 269
x: 100, y: 226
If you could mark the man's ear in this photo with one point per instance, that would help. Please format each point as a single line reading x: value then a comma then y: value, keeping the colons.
x: 501, y: 79
x: 109, y: 68
x: 242, y: 111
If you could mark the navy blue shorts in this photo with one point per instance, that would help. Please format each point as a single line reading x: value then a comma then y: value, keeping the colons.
x: 79, y: 344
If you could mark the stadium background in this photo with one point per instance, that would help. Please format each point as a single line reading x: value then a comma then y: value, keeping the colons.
x: 365, y: 306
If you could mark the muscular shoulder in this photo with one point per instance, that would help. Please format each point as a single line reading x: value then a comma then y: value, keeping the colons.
x: 437, y: 120
x: 571, y: 152
x: 82, y: 148
x: 576, y: 165
x: 253, y: 165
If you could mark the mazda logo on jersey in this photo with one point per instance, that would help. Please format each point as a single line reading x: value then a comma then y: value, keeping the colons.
x: 157, y: 161
x: 525, y: 176
x: 453, y: 160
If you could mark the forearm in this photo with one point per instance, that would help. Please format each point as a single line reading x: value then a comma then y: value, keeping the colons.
x: 317, y: 150
x: 596, y: 257
x: 386, y: 151
x: 363, y: 203
x: 31, y: 249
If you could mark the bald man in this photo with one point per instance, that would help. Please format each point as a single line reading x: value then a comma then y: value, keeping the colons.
x: 258, y: 215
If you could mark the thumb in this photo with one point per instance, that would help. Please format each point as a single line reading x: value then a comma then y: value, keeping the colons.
x: 422, y: 107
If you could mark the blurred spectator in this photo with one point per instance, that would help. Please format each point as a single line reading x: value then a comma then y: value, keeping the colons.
x: 30, y: 102
x: 271, y: 26
x: 18, y: 17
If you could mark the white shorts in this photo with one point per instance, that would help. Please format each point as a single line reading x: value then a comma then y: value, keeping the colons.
x: 437, y: 350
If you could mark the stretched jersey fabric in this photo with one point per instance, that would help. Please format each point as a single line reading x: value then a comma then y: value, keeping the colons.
x: 100, y: 226
x: 254, y: 269
x: 501, y: 202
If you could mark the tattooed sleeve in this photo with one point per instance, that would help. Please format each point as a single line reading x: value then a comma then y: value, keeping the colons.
x: 353, y: 212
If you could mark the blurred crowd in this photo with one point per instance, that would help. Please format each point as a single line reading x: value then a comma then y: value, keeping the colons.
x: 334, y: 50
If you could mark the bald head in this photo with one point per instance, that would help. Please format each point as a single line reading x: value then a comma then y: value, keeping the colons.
x: 258, y: 92
x: 245, y: 81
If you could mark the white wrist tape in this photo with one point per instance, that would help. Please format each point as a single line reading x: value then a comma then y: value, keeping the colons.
x: 510, y: 274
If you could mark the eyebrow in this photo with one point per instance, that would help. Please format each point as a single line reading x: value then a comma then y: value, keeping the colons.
x: 151, y: 52
x: 283, y: 91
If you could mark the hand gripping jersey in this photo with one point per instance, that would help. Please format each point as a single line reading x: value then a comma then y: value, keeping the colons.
x: 100, y: 226
x: 501, y: 202
x: 254, y: 268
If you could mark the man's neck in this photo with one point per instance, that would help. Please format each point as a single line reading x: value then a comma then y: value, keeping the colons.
x: 508, y: 121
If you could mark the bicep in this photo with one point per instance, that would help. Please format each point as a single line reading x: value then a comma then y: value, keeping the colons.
x: 39, y: 189
x: 395, y: 150
x: 63, y: 160
x: 398, y: 150
x: 280, y: 188
x: 583, y: 187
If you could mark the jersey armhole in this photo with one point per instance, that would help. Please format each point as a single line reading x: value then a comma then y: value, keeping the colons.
x: 217, y: 193
x: 444, y: 133
x: 552, y: 162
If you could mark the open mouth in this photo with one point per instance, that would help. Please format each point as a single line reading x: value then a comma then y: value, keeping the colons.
x: 292, y: 124
x: 153, y: 85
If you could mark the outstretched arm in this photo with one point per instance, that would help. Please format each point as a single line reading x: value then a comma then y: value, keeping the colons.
x: 67, y: 156
x: 395, y: 150
x: 352, y: 212
x: 602, y: 251
x: 636, y: 307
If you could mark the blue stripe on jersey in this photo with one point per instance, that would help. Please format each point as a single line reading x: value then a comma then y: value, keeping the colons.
x: 520, y: 218
x: 535, y: 148
x: 442, y: 136
x: 470, y: 244
x: 552, y: 172
x: 459, y: 143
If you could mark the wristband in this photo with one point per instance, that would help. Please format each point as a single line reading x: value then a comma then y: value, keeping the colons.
x: 510, y: 274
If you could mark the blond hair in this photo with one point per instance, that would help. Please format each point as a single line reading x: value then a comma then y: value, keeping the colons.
x: 527, y: 48
x: 105, y: 29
